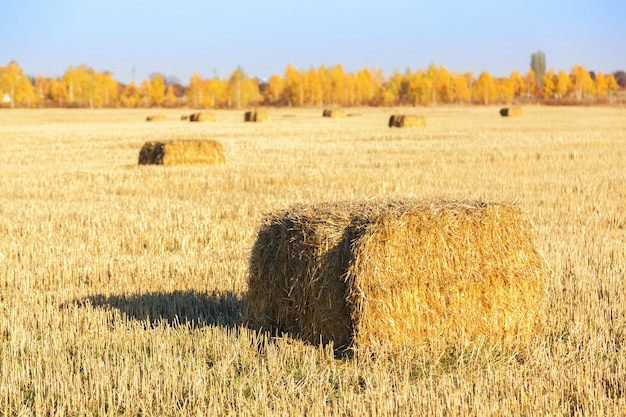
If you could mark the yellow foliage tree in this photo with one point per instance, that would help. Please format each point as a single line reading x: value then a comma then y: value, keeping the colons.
x: 562, y: 84
x: 274, y: 91
x: 157, y: 90
x: 460, y: 89
x: 485, y: 90
x: 130, y: 95
x: 16, y: 86
x: 550, y: 81
x: 581, y: 82
x: 194, y: 91
x: 294, y: 86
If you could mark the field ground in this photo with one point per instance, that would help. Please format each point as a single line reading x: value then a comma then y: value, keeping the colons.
x: 121, y: 285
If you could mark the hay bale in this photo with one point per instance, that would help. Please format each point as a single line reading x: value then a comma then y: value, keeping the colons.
x: 256, y: 116
x: 202, y: 117
x: 334, y: 114
x: 182, y: 152
x: 511, y: 112
x: 156, y: 118
x: 262, y: 116
x: 409, y: 120
x: 397, y: 273
x: 184, y: 117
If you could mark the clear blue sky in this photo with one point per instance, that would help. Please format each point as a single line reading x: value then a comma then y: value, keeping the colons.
x: 176, y: 38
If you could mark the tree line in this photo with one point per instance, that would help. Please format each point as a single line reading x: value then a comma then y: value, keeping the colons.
x: 82, y: 86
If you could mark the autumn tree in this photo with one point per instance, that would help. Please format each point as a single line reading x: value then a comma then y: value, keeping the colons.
x: 485, y: 89
x: 549, y: 83
x: 562, y: 84
x: 130, y: 95
x: 15, y: 85
x: 460, y: 89
x: 156, y: 90
x: 274, y: 90
x: 506, y: 89
x: 294, y: 86
x: 194, y: 91
x: 581, y: 82
x: 530, y: 82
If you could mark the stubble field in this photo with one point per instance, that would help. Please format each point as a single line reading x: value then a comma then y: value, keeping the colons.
x: 121, y: 286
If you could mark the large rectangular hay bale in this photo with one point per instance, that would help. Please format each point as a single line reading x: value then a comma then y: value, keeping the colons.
x: 396, y: 273
x: 182, y: 152
x: 511, y: 112
x: 408, y: 120
x: 156, y: 118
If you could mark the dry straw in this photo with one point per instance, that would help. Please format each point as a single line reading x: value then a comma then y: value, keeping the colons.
x: 256, y: 116
x: 407, y: 121
x: 334, y: 114
x: 511, y: 112
x: 156, y: 118
x: 182, y: 152
x: 397, y: 273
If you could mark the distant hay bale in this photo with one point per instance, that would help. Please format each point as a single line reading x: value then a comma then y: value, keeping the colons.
x: 182, y: 152
x: 184, y: 117
x: 511, y: 112
x: 262, y: 116
x: 202, y: 117
x: 396, y: 273
x: 353, y: 115
x: 334, y: 114
x: 156, y: 118
x: 401, y: 120
x: 256, y: 116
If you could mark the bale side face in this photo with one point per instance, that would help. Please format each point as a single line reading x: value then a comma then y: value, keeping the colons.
x: 397, y: 273
x: 156, y: 118
x: 447, y: 271
x: 182, y: 152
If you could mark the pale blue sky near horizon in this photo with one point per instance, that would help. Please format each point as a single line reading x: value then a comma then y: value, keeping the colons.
x: 177, y: 38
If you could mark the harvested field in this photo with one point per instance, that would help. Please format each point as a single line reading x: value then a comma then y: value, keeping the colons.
x: 123, y: 288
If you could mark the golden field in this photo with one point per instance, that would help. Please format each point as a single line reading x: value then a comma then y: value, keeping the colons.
x: 121, y: 286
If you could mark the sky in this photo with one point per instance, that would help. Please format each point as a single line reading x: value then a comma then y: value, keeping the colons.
x: 134, y: 39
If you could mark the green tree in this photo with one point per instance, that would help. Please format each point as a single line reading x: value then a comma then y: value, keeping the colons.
x: 538, y: 65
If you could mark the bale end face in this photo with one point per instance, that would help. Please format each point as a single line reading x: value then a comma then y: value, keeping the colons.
x: 397, y: 273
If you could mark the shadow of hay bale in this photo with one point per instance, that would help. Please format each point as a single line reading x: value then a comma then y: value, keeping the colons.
x: 187, y: 308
